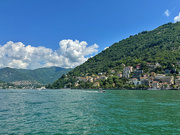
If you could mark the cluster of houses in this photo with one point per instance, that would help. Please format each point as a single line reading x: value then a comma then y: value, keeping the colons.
x: 136, y: 77
x: 155, y: 81
x: 93, y: 79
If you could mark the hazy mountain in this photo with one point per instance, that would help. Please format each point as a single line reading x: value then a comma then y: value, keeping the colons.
x: 42, y: 75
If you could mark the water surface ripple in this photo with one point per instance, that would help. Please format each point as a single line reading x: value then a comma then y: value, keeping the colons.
x: 89, y: 112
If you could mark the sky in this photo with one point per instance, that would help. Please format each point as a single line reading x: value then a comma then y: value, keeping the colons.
x: 65, y: 33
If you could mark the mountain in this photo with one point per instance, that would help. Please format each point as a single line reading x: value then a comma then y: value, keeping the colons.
x: 38, y: 76
x: 160, y: 45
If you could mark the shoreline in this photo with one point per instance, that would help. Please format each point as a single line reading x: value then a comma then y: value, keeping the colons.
x: 117, y: 89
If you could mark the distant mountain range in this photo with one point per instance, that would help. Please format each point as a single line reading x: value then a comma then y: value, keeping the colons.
x: 29, y: 77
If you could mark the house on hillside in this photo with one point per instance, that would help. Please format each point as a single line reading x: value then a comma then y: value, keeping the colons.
x: 96, y: 78
x: 138, y: 74
x: 81, y: 74
x: 157, y: 65
x: 138, y: 66
x: 155, y: 85
x: 178, y: 77
x: 96, y: 84
x: 91, y: 79
x: 127, y: 71
x: 119, y: 75
x: 126, y: 74
x: 143, y: 78
x: 123, y: 65
x: 177, y: 81
x: 151, y: 66
x: 145, y: 75
x: 158, y: 77
x: 113, y: 71
x: 82, y: 79
x: 76, y: 84
x: 146, y: 82
x: 148, y: 64
x: 153, y: 74
x: 129, y: 68
x: 100, y: 73
x: 166, y: 86
x: 135, y: 81
x: 168, y: 79
x: 167, y: 71
x: 103, y: 77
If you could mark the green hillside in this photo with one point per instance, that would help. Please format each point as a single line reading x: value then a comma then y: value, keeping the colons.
x: 40, y: 76
x: 9, y: 75
x: 161, y: 45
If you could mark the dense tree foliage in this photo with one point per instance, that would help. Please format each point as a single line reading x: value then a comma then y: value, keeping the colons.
x: 161, y: 45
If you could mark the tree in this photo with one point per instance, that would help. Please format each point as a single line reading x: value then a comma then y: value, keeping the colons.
x: 63, y: 76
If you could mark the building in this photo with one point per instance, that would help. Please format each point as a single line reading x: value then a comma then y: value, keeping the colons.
x: 151, y: 66
x: 178, y: 77
x: 91, y: 79
x: 129, y: 68
x: 126, y: 74
x: 157, y: 65
x: 103, y: 77
x: 138, y: 74
x: 145, y: 75
x: 82, y: 79
x: 167, y: 71
x: 96, y: 84
x: 119, y: 75
x: 100, y: 73
x: 143, y: 78
x: 158, y: 77
x: 136, y: 82
x: 166, y: 85
x: 113, y: 71
x: 177, y: 81
x: 168, y: 79
x: 76, y: 84
x: 127, y: 71
x: 138, y: 66
x: 146, y: 82
x: 123, y: 65
x: 81, y: 74
x: 155, y: 85
x: 153, y: 74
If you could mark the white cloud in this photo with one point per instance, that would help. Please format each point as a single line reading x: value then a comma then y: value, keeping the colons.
x: 70, y: 54
x: 167, y: 13
x: 106, y: 48
x: 177, y: 18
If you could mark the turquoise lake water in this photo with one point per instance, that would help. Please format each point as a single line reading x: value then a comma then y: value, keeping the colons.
x: 84, y: 112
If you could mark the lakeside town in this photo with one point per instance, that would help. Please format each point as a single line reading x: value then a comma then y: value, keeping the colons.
x: 21, y: 85
x: 123, y: 77
x: 134, y: 78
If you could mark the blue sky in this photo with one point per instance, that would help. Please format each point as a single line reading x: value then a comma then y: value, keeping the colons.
x: 47, y: 22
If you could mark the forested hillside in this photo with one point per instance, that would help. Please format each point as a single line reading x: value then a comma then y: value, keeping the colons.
x: 161, y: 45
x: 37, y: 76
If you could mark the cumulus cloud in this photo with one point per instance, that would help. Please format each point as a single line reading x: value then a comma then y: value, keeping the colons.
x: 177, y: 18
x: 167, y: 13
x: 70, y: 54
x: 106, y: 48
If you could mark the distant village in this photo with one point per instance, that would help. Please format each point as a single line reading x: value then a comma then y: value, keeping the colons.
x: 136, y: 77
x: 21, y: 85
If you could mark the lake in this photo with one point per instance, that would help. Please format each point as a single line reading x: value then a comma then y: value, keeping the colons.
x: 89, y: 112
